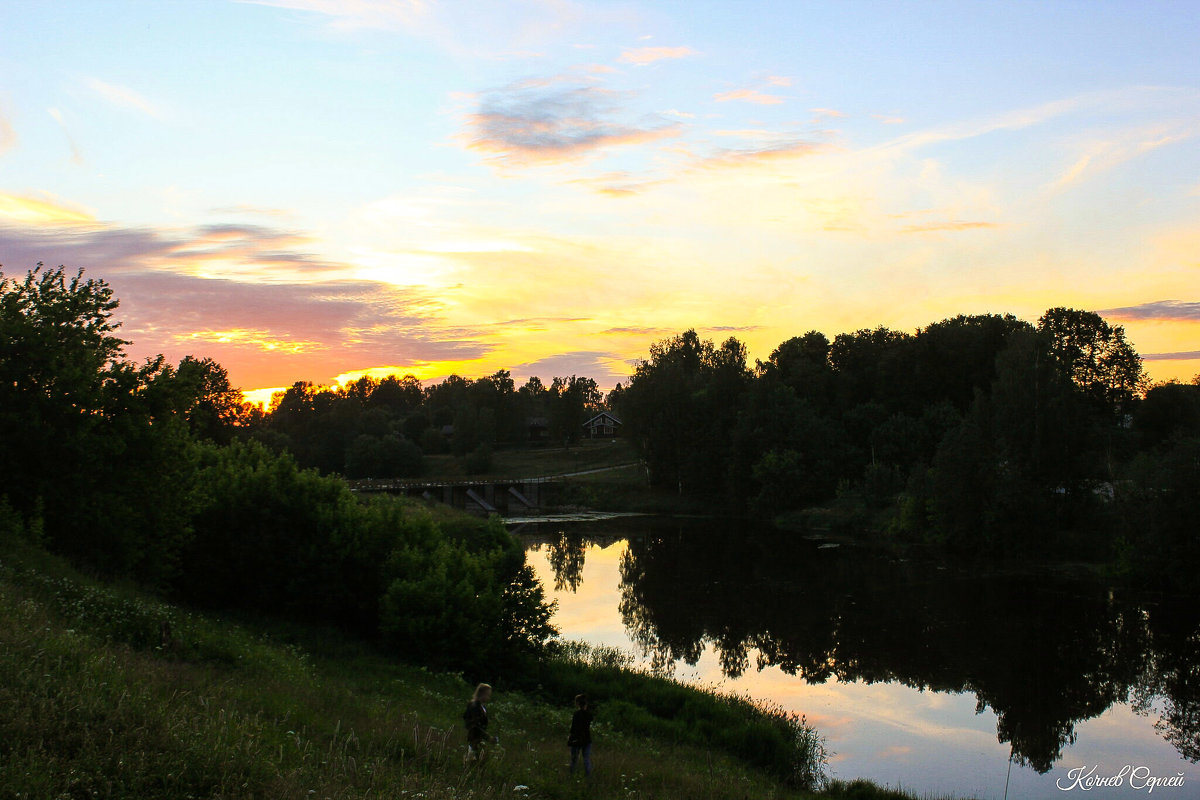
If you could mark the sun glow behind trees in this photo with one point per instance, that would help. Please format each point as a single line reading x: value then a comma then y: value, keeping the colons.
x: 290, y: 193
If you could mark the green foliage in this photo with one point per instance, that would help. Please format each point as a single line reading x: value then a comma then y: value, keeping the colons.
x: 479, y: 460
x: 273, y: 537
x: 981, y: 432
x: 388, y: 456
x: 1156, y: 511
x: 571, y: 401
x: 463, y: 602
x: 785, y: 455
x: 95, y: 448
x: 1168, y: 410
x: 371, y: 428
x: 14, y: 528
x: 683, y: 406
x: 211, y: 406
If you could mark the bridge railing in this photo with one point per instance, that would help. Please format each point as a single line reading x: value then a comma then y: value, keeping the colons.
x: 405, y: 484
x: 402, y: 484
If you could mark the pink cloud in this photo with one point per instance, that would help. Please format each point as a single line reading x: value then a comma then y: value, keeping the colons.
x: 794, y: 148
x: 545, y: 121
x: 648, y: 55
x: 296, y: 320
x: 748, y: 96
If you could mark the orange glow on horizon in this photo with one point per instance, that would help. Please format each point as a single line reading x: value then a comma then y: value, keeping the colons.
x: 30, y: 210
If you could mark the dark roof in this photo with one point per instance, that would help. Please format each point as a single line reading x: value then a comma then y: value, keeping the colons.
x: 604, y: 414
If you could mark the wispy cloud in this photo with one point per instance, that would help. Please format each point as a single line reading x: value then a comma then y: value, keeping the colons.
x: 1101, y: 156
x: 537, y: 323
x: 637, y: 330
x: 8, y: 137
x: 1015, y: 119
x: 1167, y: 310
x: 352, y: 14
x: 1137, y: 97
x: 888, y: 119
x: 748, y: 96
x: 532, y: 122
x: 618, y: 184
x: 76, y: 153
x: 246, y: 208
x: 648, y: 55
x: 124, y: 97
x: 1186, y: 355
x: 951, y: 225
x: 768, y: 152
x: 46, y: 210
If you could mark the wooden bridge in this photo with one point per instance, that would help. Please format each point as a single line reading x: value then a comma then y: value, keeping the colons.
x: 484, y: 495
x: 481, y: 495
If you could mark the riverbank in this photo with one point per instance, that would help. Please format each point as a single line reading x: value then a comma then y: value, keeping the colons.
x: 109, y: 692
x: 847, y: 521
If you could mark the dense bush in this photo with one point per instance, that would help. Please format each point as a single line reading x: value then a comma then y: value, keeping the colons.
x: 273, y: 537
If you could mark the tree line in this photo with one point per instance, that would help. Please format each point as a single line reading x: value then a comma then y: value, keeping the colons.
x: 981, y: 433
x: 384, y: 428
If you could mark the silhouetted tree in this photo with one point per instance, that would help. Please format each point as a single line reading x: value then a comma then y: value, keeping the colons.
x: 1096, y: 356
x: 94, y: 449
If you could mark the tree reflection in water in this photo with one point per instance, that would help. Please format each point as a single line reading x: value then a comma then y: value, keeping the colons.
x: 1042, y: 650
x: 565, y: 553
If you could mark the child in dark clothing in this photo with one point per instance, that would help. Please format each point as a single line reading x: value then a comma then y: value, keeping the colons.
x: 580, y: 737
x: 476, y: 720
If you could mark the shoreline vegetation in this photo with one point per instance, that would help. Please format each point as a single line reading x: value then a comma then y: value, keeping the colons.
x: 194, y: 602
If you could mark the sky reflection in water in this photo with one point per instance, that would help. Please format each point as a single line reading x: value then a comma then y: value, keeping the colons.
x: 924, y: 740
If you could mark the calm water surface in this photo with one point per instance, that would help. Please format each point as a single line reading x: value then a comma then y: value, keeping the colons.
x: 919, y: 675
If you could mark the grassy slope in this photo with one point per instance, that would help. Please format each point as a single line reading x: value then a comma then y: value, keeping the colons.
x: 94, y: 704
x: 97, y: 699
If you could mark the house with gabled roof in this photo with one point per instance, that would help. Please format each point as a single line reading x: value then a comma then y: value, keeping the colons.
x: 602, y: 426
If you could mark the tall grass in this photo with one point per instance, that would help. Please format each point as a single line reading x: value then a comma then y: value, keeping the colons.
x: 766, y: 736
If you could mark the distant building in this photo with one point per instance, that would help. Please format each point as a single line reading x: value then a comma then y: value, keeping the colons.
x: 539, y: 429
x: 602, y: 426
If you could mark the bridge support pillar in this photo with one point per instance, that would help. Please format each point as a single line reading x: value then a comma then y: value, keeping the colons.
x: 512, y: 490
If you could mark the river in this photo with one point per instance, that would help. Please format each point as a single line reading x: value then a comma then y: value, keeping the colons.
x: 920, y: 675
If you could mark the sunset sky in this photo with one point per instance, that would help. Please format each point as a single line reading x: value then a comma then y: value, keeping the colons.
x: 306, y: 189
